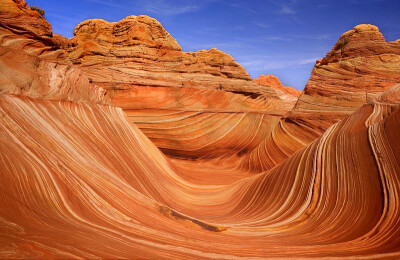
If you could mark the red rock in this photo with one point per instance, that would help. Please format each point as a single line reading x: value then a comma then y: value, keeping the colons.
x: 359, y: 67
x: 274, y: 82
x: 353, y: 73
x: 151, y: 78
x: 136, y: 54
x: 17, y: 17
x: 78, y: 180
x: 32, y: 64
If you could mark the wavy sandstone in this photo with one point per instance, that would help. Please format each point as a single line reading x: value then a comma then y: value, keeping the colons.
x: 80, y: 180
x: 359, y: 67
x: 190, y: 104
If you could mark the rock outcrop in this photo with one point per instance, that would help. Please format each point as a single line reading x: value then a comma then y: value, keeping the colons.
x: 137, y: 55
x: 190, y: 104
x: 32, y: 64
x: 78, y: 180
x: 274, y: 82
x: 359, y: 67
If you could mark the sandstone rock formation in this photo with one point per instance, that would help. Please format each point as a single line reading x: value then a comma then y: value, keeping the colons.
x: 31, y: 63
x: 137, y: 55
x: 359, y: 67
x: 274, y: 82
x: 190, y: 104
x: 78, y: 180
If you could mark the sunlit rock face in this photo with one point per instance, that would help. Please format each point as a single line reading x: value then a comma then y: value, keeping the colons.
x: 137, y: 55
x: 274, y: 82
x: 31, y: 62
x: 190, y: 104
x: 359, y: 67
x: 80, y: 180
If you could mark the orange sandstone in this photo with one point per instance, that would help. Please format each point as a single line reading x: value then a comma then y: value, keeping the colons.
x: 190, y: 104
x: 78, y: 180
x: 274, y: 82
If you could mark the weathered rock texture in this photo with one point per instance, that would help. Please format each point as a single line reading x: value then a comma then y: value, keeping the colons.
x: 31, y: 63
x: 136, y: 58
x: 80, y: 181
x: 274, y: 82
x: 359, y: 67
x: 190, y: 104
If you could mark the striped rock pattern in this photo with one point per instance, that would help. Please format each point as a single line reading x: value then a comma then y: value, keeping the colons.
x: 359, y: 67
x: 31, y: 62
x: 190, y: 104
x: 79, y: 180
x: 137, y: 56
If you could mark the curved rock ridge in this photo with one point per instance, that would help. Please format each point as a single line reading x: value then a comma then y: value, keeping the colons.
x: 274, y: 82
x: 208, y: 99
x: 79, y: 180
x: 204, y: 135
x: 32, y: 63
x: 64, y: 195
x: 359, y: 67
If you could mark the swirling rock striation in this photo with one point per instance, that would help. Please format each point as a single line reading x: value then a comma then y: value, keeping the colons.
x: 79, y: 180
x: 66, y: 195
x: 359, y: 67
x: 190, y: 104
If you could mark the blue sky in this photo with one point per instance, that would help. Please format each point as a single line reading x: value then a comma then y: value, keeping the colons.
x: 283, y: 38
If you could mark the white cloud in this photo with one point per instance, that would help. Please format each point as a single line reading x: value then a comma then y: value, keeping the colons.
x: 287, y: 10
x: 265, y: 65
x: 263, y: 25
x: 327, y: 36
x: 158, y: 7
x: 107, y: 3
x: 170, y: 8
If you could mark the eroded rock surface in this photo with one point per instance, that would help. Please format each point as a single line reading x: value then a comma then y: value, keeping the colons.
x: 31, y: 62
x: 274, y: 82
x: 80, y: 180
x: 190, y: 104
x: 359, y: 67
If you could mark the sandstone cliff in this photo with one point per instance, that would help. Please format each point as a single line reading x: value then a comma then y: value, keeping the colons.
x: 359, y: 67
x: 190, y: 104
x: 32, y: 64
x: 136, y: 59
